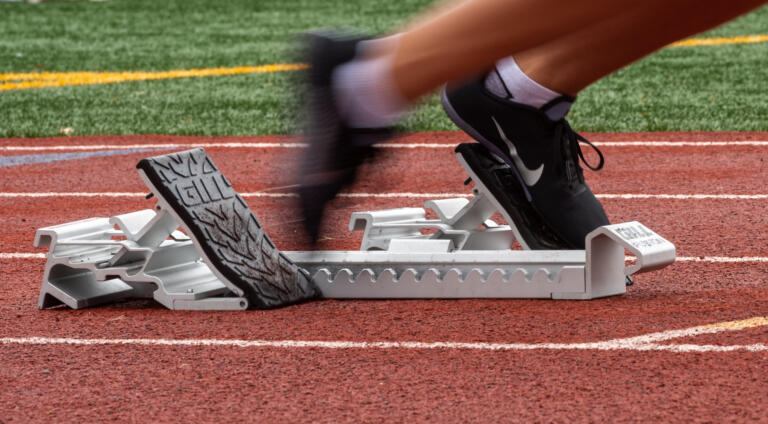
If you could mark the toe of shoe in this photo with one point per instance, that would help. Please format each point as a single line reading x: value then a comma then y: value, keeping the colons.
x: 578, y: 217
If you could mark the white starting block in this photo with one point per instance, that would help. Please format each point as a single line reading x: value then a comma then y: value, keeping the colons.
x: 461, y: 254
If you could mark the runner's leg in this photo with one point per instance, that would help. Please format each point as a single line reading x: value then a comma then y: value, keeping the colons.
x: 572, y: 62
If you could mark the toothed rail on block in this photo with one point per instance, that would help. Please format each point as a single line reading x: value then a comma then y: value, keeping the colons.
x: 201, y: 247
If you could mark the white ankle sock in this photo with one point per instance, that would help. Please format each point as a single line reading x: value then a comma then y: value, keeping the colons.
x: 366, y: 93
x: 509, y: 81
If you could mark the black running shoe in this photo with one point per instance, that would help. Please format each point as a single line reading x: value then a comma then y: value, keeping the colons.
x: 490, y: 171
x: 544, y: 155
x: 335, y: 150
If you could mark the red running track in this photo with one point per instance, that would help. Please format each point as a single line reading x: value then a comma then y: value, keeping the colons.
x: 66, y: 382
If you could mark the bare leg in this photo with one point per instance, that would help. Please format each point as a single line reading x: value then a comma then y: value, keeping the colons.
x: 358, y: 89
x: 469, y: 36
x: 570, y: 63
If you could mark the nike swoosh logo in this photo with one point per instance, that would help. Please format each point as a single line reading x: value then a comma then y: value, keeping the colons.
x: 530, y: 176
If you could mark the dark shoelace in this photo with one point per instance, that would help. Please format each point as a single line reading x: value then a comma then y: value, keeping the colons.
x: 571, y: 149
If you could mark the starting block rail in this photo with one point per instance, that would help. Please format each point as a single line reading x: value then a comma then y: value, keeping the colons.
x: 410, y: 270
x: 461, y: 254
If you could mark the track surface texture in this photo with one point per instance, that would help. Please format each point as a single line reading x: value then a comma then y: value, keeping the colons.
x: 688, y: 343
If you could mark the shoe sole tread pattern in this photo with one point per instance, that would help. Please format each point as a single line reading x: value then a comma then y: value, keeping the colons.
x: 226, y: 230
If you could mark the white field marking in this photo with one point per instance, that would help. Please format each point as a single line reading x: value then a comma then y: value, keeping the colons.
x: 395, y: 145
x: 253, y: 194
x: 686, y: 348
x: 406, y: 194
x: 648, y: 342
x: 722, y: 259
x: 680, y: 143
x: 683, y: 196
x: 22, y: 255
x: 624, y: 196
x: 74, y: 194
x: 365, y: 195
x: 712, y: 259
x: 702, y: 259
x: 692, y: 332
x: 253, y: 145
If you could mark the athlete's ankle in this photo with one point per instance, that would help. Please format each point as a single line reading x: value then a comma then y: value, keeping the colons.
x: 365, y: 90
x: 508, y: 81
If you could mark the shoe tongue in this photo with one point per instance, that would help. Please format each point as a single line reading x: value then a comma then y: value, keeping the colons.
x: 558, y: 107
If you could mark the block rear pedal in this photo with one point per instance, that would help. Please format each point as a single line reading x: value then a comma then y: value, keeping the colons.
x: 225, y: 231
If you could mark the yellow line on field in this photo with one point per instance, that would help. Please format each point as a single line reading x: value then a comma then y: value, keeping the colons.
x: 739, y: 325
x: 22, y: 81
x: 719, y: 41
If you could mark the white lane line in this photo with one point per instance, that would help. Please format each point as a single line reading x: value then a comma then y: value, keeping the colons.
x: 254, y: 194
x: 687, y: 348
x: 648, y: 342
x: 390, y: 195
x: 681, y: 143
x: 663, y: 336
x: 287, y: 344
x: 722, y: 259
x: 623, y: 196
x: 254, y: 145
x: 366, y: 195
x: 702, y: 259
x: 74, y: 194
x: 22, y: 255
x: 289, y: 145
x: 683, y: 196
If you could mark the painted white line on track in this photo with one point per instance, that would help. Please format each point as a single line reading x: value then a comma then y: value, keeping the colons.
x: 702, y: 259
x: 648, y: 342
x: 624, y: 196
x: 406, y: 194
x: 254, y: 145
x: 290, y: 145
x: 22, y: 255
x: 667, y: 335
x: 74, y: 194
x: 683, y: 196
x: 288, y: 344
x: 712, y: 259
x: 722, y: 259
x: 692, y: 348
x: 680, y: 143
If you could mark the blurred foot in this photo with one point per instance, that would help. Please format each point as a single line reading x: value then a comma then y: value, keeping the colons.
x: 337, y: 147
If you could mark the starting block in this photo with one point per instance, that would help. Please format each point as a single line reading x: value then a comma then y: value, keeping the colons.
x: 201, y: 248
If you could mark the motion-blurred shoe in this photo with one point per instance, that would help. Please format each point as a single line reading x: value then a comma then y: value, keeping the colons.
x: 335, y: 149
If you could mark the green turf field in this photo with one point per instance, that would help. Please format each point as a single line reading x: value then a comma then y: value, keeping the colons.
x: 692, y: 88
